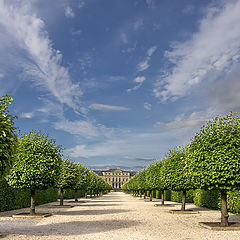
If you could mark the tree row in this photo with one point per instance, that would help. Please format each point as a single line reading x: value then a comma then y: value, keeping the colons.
x: 34, y: 161
x: 211, y: 161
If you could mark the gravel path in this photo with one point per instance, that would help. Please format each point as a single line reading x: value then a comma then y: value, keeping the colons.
x: 114, y: 216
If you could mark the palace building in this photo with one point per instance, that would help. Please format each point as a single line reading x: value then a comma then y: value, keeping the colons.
x: 115, y: 177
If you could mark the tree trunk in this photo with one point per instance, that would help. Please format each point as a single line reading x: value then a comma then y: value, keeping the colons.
x: 150, y: 196
x: 32, y: 208
x: 61, y: 196
x: 144, y: 195
x: 224, y: 212
x: 184, y: 193
x: 76, y: 195
x: 85, y: 194
x: 162, y: 197
x: 140, y: 194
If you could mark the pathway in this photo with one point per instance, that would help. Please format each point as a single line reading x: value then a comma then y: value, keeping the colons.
x: 113, y: 216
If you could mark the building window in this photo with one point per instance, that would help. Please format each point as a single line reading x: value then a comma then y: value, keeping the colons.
x: 109, y: 179
x: 126, y: 179
x: 119, y: 179
x: 123, y: 179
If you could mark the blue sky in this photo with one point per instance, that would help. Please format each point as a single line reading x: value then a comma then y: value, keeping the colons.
x: 119, y: 82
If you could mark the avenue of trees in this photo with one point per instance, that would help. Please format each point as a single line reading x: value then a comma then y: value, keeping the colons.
x: 210, y: 162
x: 34, y: 162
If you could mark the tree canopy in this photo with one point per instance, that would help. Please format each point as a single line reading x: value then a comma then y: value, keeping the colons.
x: 8, y: 139
x: 214, y: 154
x: 37, y: 164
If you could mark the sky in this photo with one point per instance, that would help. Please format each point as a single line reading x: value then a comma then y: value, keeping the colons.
x: 118, y: 83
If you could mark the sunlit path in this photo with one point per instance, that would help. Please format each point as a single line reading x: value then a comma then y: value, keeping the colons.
x: 113, y: 216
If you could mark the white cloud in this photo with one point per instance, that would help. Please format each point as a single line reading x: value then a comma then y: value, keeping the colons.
x: 43, y: 64
x: 212, y: 51
x: 81, y: 4
x: 151, y: 51
x: 76, y: 32
x: 124, y: 38
x: 138, y: 24
x: 193, y: 120
x: 85, y: 129
x: 2, y: 75
x: 143, y: 65
x: 27, y: 115
x: 133, y: 145
x: 139, y: 79
x: 104, y: 107
x: 69, y: 12
x: 147, y: 106
x: 150, y: 3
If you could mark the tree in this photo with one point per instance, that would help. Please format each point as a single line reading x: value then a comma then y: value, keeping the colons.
x: 141, y: 182
x: 82, y: 180
x: 68, y: 177
x: 214, y: 158
x: 177, y: 173
x: 37, y: 164
x: 8, y: 139
x: 155, y: 178
x: 97, y: 184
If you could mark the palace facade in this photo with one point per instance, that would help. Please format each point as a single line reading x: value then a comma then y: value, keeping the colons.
x: 115, y: 177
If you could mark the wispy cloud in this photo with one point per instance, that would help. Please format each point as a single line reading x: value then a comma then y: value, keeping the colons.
x: 81, y: 3
x: 105, y: 107
x: 209, y: 53
x: 133, y: 145
x: 69, y: 12
x: 147, y: 106
x: 83, y: 128
x: 138, y: 24
x: 27, y: 115
x: 139, y: 80
x: 2, y: 75
x: 150, y: 3
x: 43, y: 64
x: 193, y: 120
x: 124, y: 38
x: 143, y: 65
x: 76, y: 32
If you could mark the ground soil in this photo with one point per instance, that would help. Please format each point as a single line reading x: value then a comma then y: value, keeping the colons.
x: 115, y: 216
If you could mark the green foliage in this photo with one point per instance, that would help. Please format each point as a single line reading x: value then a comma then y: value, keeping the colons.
x: 155, y: 176
x: 83, y: 178
x: 70, y: 194
x: 206, y: 198
x: 233, y: 200
x: 97, y: 184
x: 37, y: 164
x: 176, y: 172
x: 8, y: 138
x: 176, y: 196
x: 11, y: 198
x: 214, y: 154
x: 69, y: 175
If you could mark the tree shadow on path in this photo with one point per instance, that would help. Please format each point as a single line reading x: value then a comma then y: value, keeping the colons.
x: 92, y: 212
x: 69, y: 228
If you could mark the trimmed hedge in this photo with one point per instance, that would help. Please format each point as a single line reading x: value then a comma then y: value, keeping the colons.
x: 11, y: 198
x: 206, y: 198
x: 69, y: 193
